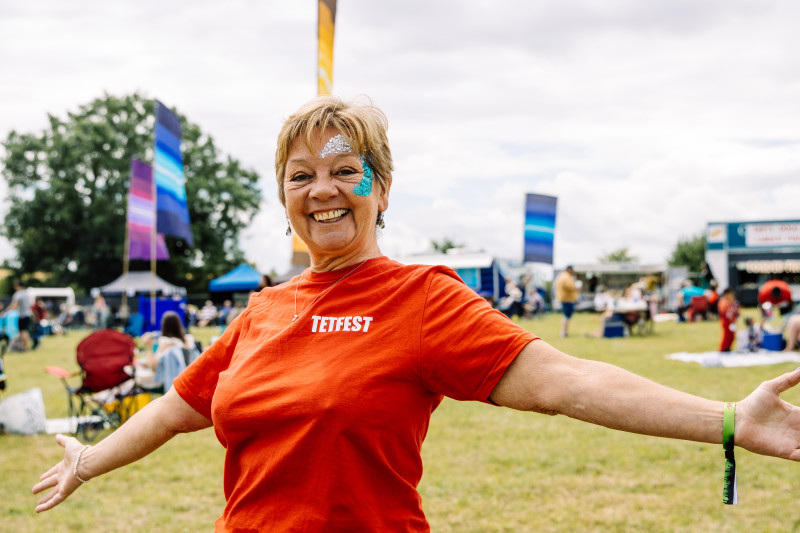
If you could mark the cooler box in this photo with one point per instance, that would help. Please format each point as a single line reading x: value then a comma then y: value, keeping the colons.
x: 772, y: 341
x: 613, y: 329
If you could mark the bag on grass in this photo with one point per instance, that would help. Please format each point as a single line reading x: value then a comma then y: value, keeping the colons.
x: 23, y: 413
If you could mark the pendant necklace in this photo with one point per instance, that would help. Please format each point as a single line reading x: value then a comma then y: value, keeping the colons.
x: 297, y: 285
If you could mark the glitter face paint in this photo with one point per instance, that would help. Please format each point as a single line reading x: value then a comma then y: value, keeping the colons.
x: 335, y: 145
x: 338, y: 144
x: 364, y: 187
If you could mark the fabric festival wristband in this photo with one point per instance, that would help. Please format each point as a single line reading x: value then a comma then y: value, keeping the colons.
x: 730, y: 495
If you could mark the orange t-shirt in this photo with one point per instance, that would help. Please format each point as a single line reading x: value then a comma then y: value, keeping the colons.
x: 323, y: 418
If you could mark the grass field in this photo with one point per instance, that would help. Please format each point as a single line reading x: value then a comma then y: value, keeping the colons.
x: 487, y: 469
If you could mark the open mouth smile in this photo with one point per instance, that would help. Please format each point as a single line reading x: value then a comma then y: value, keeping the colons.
x: 330, y: 216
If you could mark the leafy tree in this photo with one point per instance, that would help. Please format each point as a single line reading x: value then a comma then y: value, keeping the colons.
x: 444, y: 245
x: 68, y: 188
x: 619, y: 256
x: 690, y: 252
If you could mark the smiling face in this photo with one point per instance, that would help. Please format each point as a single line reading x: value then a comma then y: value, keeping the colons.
x: 331, y: 201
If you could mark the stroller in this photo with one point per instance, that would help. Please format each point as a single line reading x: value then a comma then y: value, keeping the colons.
x: 107, y: 395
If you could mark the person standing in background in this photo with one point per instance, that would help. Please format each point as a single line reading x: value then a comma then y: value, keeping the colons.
x: 567, y: 293
x: 728, y: 314
x: 21, y: 301
x: 38, y: 313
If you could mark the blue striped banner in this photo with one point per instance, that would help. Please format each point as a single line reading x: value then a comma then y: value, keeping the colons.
x: 172, y: 210
x: 540, y: 227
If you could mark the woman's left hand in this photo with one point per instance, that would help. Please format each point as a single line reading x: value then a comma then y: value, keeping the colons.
x: 766, y: 424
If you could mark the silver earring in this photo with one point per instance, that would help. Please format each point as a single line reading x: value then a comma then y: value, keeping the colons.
x: 380, y: 223
x: 288, y: 228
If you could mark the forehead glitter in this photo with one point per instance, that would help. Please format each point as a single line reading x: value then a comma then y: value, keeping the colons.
x: 364, y: 187
x: 335, y: 145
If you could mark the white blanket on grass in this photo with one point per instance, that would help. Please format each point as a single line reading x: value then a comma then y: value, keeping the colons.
x: 731, y: 359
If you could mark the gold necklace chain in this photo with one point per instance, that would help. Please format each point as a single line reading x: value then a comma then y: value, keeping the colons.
x: 297, y: 285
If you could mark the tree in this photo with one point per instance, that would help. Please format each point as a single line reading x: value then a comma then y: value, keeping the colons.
x: 68, y: 188
x: 690, y: 252
x: 619, y: 256
x: 445, y: 244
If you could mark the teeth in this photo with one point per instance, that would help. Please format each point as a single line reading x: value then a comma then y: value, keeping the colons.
x: 330, y: 215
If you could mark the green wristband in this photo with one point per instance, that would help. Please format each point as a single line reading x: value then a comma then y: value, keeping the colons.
x: 729, y: 493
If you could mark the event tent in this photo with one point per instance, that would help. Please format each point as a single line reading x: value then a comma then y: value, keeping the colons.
x: 480, y: 271
x: 141, y: 282
x: 241, y: 279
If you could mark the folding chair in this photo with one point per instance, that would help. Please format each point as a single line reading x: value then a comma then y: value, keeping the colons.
x: 107, y: 395
x: 698, y: 307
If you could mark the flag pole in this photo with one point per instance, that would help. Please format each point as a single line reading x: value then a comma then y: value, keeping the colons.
x: 123, y: 308
x: 153, y: 237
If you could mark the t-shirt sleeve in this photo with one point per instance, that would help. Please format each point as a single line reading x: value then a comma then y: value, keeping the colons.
x: 466, y: 346
x: 198, y: 382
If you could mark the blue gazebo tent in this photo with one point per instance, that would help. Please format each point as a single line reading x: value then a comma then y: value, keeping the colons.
x: 479, y: 271
x: 241, y: 279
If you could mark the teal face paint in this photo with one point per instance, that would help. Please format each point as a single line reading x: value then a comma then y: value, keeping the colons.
x: 364, y: 187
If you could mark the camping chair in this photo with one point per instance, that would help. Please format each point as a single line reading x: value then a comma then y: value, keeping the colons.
x: 106, y: 396
x: 135, y: 325
x: 698, y: 307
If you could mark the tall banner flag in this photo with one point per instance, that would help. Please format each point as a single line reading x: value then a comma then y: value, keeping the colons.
x: 172, y: 211
x: 540, y: 226
x: 325, y: 27
x: 142, y: 214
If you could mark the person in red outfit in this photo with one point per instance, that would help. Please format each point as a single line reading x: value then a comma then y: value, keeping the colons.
x: 728, y: 309
x: 776, y: 293
x: 322, y: 389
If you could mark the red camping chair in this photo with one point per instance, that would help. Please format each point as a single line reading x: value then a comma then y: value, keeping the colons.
x: 104, y: 398
x: 698, y: 308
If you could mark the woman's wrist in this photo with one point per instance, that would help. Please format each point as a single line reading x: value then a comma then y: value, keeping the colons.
x: 79, y: 467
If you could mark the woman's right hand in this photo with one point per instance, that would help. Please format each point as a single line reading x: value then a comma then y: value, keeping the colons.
x: 61, y: 477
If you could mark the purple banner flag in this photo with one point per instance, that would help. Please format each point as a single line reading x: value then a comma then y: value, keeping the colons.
x: 142, y: 214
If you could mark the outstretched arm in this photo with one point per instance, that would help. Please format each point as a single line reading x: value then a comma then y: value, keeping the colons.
x: 148, y: 429
x: 545, y: 380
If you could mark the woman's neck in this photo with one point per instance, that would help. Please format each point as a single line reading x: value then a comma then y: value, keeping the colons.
x: 326, y: 264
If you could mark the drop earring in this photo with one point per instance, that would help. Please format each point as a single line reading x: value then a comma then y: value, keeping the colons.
x: 288, y: 228
x: 380, y: 223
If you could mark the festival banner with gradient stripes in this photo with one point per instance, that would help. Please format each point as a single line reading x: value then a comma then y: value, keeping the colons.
x: 142, y: 214
x: 540, y: 226
x: 172, y: 210
x: 325, y: 28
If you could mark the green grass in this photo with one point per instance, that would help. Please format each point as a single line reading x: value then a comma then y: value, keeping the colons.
x: 487, y: 469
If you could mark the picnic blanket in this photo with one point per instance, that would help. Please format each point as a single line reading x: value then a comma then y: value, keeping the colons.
x: 733, y: 359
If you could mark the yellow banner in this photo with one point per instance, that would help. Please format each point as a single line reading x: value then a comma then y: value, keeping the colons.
x: 298, y: 245
x: 327, y: 21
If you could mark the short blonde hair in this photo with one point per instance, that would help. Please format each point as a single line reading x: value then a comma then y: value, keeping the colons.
x: 362, y: 124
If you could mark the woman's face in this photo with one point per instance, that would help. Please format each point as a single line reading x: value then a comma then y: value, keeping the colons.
x: 332, y: 200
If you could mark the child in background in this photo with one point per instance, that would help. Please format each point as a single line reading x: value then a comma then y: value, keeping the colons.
x: 728, y: 309
x: 754, y: 335
x: 749, y: 339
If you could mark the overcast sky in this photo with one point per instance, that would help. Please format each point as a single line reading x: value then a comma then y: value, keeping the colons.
x: 647, y: 119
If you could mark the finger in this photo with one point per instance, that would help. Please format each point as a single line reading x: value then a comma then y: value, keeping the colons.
x: 45, y: 484
x: 50, y: 472
x: 62, y: 440
x: 49, y: 502
x: 784, y: 382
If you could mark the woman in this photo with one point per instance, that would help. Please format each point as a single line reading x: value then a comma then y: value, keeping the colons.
x: 172, y: 335
x: 322, y: 389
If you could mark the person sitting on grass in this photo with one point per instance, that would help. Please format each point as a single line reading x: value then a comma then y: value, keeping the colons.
x: 322, y: 389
